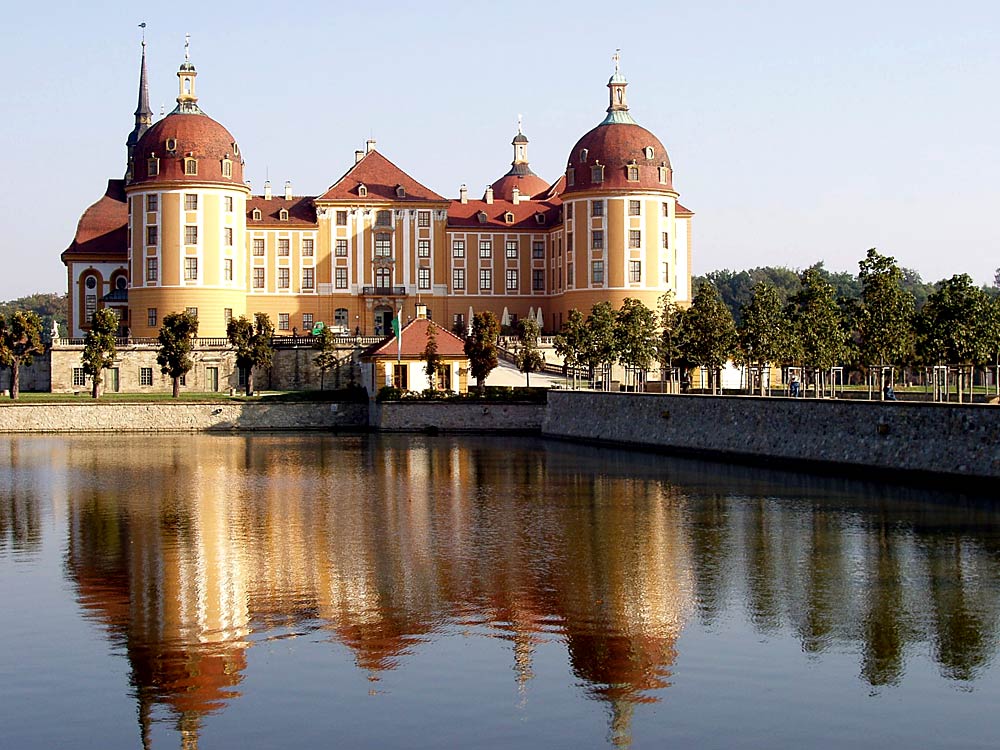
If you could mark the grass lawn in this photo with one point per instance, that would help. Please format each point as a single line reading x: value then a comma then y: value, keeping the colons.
x: 185, y: 396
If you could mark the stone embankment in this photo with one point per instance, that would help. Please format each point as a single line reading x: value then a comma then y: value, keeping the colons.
x: 406, y: 416
x: 961, y: 441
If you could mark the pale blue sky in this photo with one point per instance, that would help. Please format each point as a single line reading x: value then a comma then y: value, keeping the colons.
x: 798, y: 131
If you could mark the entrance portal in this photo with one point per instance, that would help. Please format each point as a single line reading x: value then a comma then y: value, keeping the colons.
x: 383, y: 321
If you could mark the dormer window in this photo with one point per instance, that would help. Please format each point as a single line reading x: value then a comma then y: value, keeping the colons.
x: 283, y: 214
x: 400, y: 191
x: 236, y: 149
x: 632, y: 173
x: 227, y: 168
x: 597, y: 173
x: 256, y: 214
x: 508, y: 217
x: 481, y: 215
x: 152, y: 166
x: 362, y: 190
x: 649, y: 152
x: 171, y: 144
x: 539, y: 218
x: 190, y: 166
x: 583, y: 154
x: 570, y: 176
x: 662, y: 175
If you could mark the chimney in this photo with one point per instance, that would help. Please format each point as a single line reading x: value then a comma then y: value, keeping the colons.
x: 358, y: 155
x: 489, y: 196
x: 463, y: 194
x: 267, y: 190
x: 421, y: 311
x: 288, y: 190
x: 516, y: 196
x: 369, y: 145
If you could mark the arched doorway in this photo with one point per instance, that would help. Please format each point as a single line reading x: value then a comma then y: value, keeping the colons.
x: 383, y: 321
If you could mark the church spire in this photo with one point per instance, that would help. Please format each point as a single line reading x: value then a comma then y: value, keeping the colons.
x: 143, y: 114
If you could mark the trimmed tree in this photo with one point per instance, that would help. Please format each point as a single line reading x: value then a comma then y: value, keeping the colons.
x: 99, y: 347
x: 481, y: 348
x: 252, y: 342
x: 707, y: 333
x: 885, y: 318
x: 20, y: 340
x: 602, y: 349
x: 818, y: 341
x: 667, y: 352
x: 571, y: 341
x: 528, y: 359
x: 176, y: 341
x: 762, y: 332
x: 328, y: 357
x: 431, y: 357
x: 635, y: 332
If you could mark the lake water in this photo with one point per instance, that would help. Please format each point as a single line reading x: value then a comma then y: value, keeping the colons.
x: 308, y: 591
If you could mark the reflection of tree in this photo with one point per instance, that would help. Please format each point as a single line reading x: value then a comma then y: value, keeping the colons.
x: 20, y: 516
x: 883, y: 632
x: 824, y: 571
x: 711, y: 542
x: 761, y: 572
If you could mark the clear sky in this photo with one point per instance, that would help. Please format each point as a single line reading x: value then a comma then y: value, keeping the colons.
x: 798, y: 131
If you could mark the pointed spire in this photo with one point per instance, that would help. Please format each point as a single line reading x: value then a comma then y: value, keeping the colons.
x: 143, y: 114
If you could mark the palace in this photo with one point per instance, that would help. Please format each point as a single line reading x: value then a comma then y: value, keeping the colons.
x: 182, y: 230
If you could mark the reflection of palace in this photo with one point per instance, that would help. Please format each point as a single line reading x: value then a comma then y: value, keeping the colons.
x: 386, y: 542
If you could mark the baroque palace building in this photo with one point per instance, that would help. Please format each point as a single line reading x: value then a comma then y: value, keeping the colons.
x: 183, y: 230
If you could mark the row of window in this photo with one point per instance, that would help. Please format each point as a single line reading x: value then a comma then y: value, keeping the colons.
x: 634, y: 208
x: 486, y: 249
x: 284, y: 278
x: 383, y: 218
x: 190, y: 166
x: 284, y: 247
x: 631, y: 174
x: 486, y: 279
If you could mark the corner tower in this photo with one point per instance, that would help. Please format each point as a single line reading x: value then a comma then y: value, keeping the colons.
x: 143, y: 115
x: 187, y: 219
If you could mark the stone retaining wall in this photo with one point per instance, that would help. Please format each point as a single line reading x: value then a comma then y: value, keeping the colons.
x: 941, y: 439
x: 181, y: 417
x: 406, y: 416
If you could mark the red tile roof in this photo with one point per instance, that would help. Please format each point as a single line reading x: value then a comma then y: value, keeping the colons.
x: 103, y: 228
x: 301, y: 211
x: 381, y: 177
x: 467, y: 214
x: 414, y: 335
x: 683, y: 211
x: 195, y: 134
x: 529, y: 185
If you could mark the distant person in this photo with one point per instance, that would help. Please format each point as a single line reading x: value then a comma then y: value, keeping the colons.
x: 888, y: 393
x: 793, y: 387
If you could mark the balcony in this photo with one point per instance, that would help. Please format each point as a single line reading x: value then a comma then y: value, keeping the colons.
x: 383, y: 291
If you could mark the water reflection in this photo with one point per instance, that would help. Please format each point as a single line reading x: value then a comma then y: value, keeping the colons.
x: 387, y: 542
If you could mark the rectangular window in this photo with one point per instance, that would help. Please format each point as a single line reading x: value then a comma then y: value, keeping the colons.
x: 538, y: 250
x: 485, y: 279
x: 151, y: 317
x: 635, y: 271
x: 307, y: 248
x: 511, y: 248
x: 424, y: 278
x: 190, y: 167
x: 340, y: 278
x: 383, y: 278
x: 258, y: 278
x: 485, y: 248
x: 423, y: 248
x: 190, y: 269
x: 341, y: 218
x: 227, y: 315
x: 666, y: 210
x: 152, y: 235
x: 383, y: 245
x: 283, y: 247
x: 632, y: 174
x: 340, y: 250
x: 383, y: 218
x: 283, y: 278
x: 152, y: 167
x: 666, y: 241
x: 597, y: 174
x: 458, y: 249
x: 152, y: 269
x: 258, y: 248
x: 597, y: 272
x: 183, y: 379
x: 423, y: 218
x: 192, y: 311
x: 635, y: 238
x: 511, y: 279
x: 283, y: 322
x: 538, y: 279
x: 597, y: 208
x: 569, y: 275
x: 399, y: 373
x: 569, y: 210
x: 228, y: 202
x: 664, y: 273
x: 308, y: 278
x: 228, y: 231
x: 152, y: 203
x: 190, y: 202
x: 145, y: 376
x: 307, y: 322
x: 458, y: 278
x: 597, y: 239
x: 79, y: 377
x: 190, y: 235
x: 227, y: 269
x: 634, y: 208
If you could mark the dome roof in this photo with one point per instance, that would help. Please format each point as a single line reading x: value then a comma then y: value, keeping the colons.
x: 616, y: 146
x: 179, y: 136
x: 528, y: 185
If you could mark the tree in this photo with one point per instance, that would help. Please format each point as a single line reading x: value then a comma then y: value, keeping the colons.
x: 99, y: 346
x: 431, y: 356
x: 176, y: 341
x: 635, y: 334
x: 252, y: 342
x: 528, y: 359
x: 667, y: 352
x: 481, y: 347
x: 763, y: 331
x: 707, y: 332
x: 818, y: 341
x: 885, y: 320
x: 328, y: 357
x: 49, y: 307
x: 20, y: 339
x: 571, y: 341
x: 601, y: 349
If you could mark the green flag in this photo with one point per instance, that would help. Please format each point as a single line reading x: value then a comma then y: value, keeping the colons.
x: 396, y: 329
x: 395, y: 326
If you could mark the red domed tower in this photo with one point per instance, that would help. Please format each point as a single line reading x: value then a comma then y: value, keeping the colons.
x: 520, y: 176
x: 626, y: 234
x: 187, y: 219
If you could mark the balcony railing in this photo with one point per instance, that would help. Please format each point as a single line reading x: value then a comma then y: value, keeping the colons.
x: 384, y: 291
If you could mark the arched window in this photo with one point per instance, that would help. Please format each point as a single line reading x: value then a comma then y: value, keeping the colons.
x: 340, y: 317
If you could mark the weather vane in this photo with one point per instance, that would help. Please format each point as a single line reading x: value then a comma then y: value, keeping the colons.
x: 617, y: 58
x: 187, y: 48
x: 143, y: 27
x: 519, y: 124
